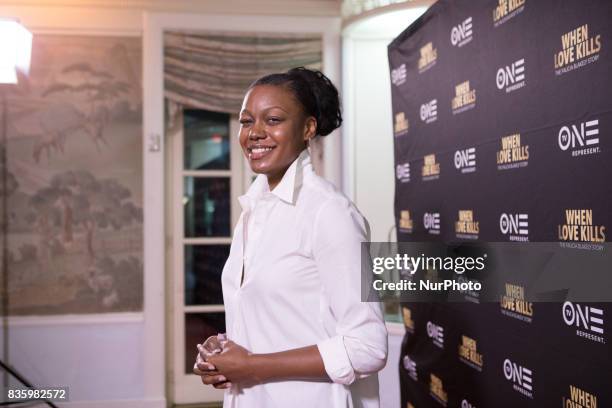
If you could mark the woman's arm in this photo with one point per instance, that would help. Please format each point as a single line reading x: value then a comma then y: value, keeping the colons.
x: 238, y: 365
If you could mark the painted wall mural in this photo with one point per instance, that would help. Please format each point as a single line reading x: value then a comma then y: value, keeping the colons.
x: 74, y: 178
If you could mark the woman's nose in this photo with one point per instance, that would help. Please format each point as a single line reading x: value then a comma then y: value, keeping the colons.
x: 256, y: 131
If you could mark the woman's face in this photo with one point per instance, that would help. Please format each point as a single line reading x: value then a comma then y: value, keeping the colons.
x: 273, y: 130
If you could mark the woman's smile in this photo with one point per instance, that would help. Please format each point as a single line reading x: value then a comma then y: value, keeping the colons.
x: 257, y: 152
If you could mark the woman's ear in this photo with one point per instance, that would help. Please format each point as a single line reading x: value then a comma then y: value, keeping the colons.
x: 310, y: 128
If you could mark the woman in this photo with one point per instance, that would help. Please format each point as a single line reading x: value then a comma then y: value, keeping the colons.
x: 299, y: 335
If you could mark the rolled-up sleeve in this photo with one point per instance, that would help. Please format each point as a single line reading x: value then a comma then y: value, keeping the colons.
x: 359, y: 347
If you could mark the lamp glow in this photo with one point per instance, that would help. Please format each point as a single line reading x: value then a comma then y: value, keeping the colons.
x: 15, y: 50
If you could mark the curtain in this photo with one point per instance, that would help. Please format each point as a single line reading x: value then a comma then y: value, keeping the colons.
x: 212, y: 70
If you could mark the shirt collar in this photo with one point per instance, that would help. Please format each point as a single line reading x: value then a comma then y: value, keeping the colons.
x: 286, y: 189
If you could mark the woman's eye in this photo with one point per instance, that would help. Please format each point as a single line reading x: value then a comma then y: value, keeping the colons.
x: 274, y: 120
x: 244, y: 122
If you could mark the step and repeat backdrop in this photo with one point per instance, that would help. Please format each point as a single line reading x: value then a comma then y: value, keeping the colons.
x: 502, y: 117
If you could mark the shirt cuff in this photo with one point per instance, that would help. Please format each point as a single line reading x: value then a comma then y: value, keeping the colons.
x: 336, y: 361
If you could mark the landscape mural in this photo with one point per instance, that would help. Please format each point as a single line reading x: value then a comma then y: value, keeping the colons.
x: 73, y: 178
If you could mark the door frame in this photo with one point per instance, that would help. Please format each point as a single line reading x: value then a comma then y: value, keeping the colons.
x: 157, y: 333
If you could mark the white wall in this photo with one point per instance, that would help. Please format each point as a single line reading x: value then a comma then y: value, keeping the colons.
x: 368, y: 163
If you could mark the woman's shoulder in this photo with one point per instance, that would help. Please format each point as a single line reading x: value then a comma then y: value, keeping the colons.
x: 323, y: 194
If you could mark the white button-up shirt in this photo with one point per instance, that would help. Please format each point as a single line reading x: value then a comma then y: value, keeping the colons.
x: 302, y: 286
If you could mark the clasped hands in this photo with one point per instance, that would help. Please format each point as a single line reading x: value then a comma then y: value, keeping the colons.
x: 221, y: 362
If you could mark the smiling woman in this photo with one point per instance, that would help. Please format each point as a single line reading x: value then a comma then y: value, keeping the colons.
x: 297, y: 332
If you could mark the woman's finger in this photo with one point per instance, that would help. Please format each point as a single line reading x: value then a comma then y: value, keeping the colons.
x: 223, y: 385
x: 212, y: 345
x: 212, y: 380
x: 206, y: 368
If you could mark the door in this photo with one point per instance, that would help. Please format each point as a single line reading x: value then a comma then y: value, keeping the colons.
x: 207, y: 176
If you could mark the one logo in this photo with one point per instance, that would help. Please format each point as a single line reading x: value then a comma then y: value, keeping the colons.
x: 513, y: 154
x: 582, y: 139
x: 408, y: 322
x: 398, y: 75
x: 401, y: 124
x: 431, y: 168
x: 466, y: 227
x: 431, y: 222
x: 466, y: 404
x: 465, y: 160
x: 428, y: 57
x: 515, y: 226
x: 429, y: 111
x: 511, y: 77
x: 436, y: 389
x: 580, y: 48
x: 462, y: 34
x: 464, y: 99
x: 436, y: 334
x: 588, y: 320
x: 579, y: 398
x: 580, y: 227
x: 506, y: 9
x: 468, y: 353
x: 513, y: 303
x: 402, y: 172
x: 411, y: 367
x: 405, y: 222
x: 521, y: 377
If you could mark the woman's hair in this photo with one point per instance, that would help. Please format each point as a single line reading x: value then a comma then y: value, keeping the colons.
x: 316, y: 93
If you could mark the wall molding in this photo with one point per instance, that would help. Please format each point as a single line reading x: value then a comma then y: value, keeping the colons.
x: 284, y: 7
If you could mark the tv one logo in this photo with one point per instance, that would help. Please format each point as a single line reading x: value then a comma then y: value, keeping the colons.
x: 465, y: 160
x: 402, y: 172
x: 521, y: 377
x: 577, y: 137
x: 466, y: 404
x: 514, y: 224
x: 462, y: 34
x: 436, y: 333
x: 429, y: 111
x: 511, y: 77
x: 398, y: 75
x: 431, y: 222
x: 411, y: 367
x: 583, y: 317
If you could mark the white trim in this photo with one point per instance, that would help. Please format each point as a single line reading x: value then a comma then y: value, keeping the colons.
x: 207, y: 173
x: 348, y: 102
x: 203, y: 309
x: 58, y: 320
x: 154, y: 370
x: 128, y: 403
x: 395, y: 329
x: 209, y: 241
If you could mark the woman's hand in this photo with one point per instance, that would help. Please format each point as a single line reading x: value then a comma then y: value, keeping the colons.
x: 234, y: 363
x: 206, y: 370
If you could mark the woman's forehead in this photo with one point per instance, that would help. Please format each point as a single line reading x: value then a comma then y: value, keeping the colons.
x: 267, y: 96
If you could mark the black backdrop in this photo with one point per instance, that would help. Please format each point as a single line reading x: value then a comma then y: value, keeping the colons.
x: 502, y: 115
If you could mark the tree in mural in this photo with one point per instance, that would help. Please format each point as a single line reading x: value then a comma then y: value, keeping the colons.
x: 76, y: 199
x: 101, y: 93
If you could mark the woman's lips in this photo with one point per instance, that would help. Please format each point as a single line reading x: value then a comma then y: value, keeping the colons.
x: 257, y: 153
